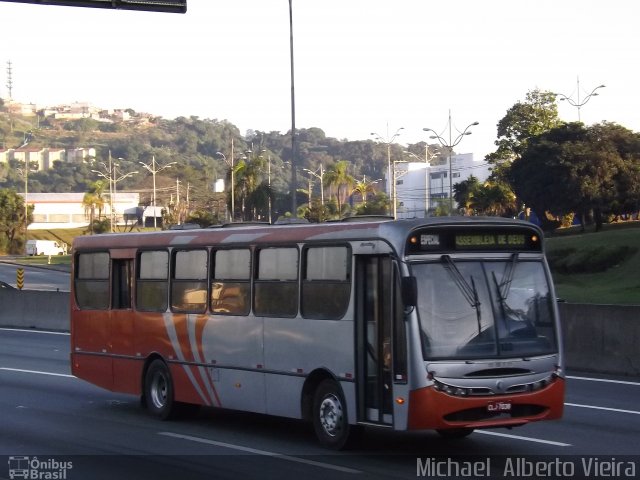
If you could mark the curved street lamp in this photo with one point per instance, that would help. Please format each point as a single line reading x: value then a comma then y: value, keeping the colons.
x: 449, y: 145
x: 112, y: 178
x: 152, y: 168
x: 427, y: 165
x: 577, y: 102
x: 319, y: 176
x: 388, y: 140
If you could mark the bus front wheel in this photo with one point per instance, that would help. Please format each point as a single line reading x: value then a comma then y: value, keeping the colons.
x: 330, y: 420
x: 158, y: 390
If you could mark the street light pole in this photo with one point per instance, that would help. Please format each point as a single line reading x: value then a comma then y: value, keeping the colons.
x: 27, y: 167
x: 449, y: 145
x: 152, y: 168
x: 427, y: 165
x: 112, y: 178
x: 319, y: 176
x: 294, y: 180
x: 577, y: 103
x: 388, y: 140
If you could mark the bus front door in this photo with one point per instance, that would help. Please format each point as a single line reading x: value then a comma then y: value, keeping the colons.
x: 374, y: 313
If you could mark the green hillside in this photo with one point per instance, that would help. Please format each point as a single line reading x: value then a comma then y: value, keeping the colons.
x: 601, y: 267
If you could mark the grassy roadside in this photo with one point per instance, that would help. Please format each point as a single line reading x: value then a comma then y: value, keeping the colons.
x: 602, y: 267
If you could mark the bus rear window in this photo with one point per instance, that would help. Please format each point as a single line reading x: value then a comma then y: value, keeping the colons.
x: 92, y: 281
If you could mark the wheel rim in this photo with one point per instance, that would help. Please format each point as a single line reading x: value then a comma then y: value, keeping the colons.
x: 159, y: 390
x: 331, y: 415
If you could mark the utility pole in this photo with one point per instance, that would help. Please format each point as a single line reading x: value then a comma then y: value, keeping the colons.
x: 9, y: 80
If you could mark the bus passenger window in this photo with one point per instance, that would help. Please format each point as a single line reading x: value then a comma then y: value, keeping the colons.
x: 326, y: 285
x: 189, y: 281
x: 153, y: 281
x: 276, y: 285
x: 231, y: 286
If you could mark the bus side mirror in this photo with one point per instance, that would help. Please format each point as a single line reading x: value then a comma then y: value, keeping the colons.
x: 409, y: 291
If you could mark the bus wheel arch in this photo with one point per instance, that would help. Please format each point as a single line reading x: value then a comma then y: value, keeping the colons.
x: 311, y: 383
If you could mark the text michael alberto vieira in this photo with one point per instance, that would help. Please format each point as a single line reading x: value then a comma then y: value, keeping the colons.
x: 519, y: 467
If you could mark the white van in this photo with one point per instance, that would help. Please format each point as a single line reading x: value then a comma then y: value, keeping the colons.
x: 46, y: 247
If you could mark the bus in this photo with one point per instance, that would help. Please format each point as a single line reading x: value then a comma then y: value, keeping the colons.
x: 445, y: 324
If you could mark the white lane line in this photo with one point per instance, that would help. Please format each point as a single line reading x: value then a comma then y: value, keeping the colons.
x: 622, y: 382
x: 20, y: 370
x: 617, y: 410
x: 34, y: 331
x: 255, y: 451
x: 526, y: 439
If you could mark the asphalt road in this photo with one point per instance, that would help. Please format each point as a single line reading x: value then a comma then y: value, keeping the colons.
x: 48, y: 414
x: 36, y: 278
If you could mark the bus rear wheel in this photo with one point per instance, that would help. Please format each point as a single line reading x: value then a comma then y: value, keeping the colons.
x: 330, y: 420
x: 158, y: 390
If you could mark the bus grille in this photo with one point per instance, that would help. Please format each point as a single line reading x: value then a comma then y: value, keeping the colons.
x: 479, y: 414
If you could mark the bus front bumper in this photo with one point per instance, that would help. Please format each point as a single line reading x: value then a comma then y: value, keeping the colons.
x: 433, y: 409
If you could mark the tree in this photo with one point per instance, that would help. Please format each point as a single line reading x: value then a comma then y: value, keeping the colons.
x: 378, y: 205
x: 524, y: 120
x: 337, y: 176
x: 494, y: 199
x: 93, y: 200
x: 364, y: 188
x: 465, y: 191
x: 12, y: 221
x: 573, y: 168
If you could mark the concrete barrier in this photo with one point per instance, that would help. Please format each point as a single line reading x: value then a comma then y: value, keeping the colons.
x: 602, y: 338
x: 34, y: 309
x: 597, y: 338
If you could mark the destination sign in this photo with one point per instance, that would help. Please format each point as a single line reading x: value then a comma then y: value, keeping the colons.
x: 495, y: 240
x: 478, y: 239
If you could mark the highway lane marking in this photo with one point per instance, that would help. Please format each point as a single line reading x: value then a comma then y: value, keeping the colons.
x: 20, y: 370
x: 526, y: 439
x: 34, y: 331
x: 622, y: 382
x: 255, y: 451
x: 617, y: 410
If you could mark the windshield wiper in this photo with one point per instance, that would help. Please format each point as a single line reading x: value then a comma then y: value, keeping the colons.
x: 469, y: 292
x: 509, y: 269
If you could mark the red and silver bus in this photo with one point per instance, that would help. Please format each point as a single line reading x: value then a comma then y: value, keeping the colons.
x: 447, y: 324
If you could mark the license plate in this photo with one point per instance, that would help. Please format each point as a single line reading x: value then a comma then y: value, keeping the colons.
x: 498, y: 407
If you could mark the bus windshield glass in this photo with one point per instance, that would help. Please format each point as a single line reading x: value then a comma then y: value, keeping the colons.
x: 484, y: 309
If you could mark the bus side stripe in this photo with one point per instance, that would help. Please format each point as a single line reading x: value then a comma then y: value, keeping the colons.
x: 173, y: 336
x: 193, y: 340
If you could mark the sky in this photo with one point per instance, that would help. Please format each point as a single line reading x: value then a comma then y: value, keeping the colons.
x: 361, y: 66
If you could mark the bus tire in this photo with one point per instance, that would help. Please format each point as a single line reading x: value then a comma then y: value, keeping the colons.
x: 158, y: 390
x: 454, y: 433
x: 330, y: 420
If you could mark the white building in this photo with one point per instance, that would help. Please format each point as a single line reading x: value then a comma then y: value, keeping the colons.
x: 420, y: 186
x: 65, y: 210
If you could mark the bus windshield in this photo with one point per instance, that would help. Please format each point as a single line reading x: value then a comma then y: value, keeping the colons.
x: 484, y: 309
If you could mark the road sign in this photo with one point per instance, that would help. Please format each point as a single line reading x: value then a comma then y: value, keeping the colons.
x: 20, y: 278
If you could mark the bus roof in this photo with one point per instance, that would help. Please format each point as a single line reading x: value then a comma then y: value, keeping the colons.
x: 393, y: 231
